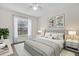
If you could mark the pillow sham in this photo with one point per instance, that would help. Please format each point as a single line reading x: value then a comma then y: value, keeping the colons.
x: 59, y: 36
x: 48, y: 35
x: 56, y: 36
x: 51, y: 35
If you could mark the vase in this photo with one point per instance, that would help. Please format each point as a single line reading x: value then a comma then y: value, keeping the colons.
x: 1, y: 40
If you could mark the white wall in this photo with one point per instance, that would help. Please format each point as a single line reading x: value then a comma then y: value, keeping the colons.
x: 6, y: 21
x: 71, y: 18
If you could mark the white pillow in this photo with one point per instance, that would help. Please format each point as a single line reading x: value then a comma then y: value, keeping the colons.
x: 51, y: 35
x: 57, y: 36
x: 60, y: 36
x: 48, y: 35
x: 54, y: 35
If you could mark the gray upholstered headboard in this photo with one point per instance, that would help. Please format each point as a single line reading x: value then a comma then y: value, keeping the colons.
x: 56, y: 30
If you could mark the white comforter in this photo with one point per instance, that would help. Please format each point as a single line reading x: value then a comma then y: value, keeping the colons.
x: 42, y: 47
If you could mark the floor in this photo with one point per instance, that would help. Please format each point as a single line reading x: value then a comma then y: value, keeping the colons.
x: 67, y: 53
x: 20, y: 51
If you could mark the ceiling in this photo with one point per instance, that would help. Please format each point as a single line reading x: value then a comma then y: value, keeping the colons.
x: 45, y: 7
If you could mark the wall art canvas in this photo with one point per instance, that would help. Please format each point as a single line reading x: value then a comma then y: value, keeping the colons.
x: 56, y: 21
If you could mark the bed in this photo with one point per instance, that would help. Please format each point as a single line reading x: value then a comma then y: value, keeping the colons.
x: 44, y: 46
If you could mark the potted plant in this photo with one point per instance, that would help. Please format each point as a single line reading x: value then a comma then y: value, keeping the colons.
x: 0, y: 33
x: 4, y: 32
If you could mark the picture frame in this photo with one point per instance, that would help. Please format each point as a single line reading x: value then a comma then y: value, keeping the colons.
x: 57, y: 21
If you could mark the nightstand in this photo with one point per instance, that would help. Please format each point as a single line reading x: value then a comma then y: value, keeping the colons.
x: 72, y: 45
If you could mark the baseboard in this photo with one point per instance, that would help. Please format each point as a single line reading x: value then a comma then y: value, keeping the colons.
x: 17, y: 42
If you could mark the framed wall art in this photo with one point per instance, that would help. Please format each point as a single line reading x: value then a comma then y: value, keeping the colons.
x: 57, y: 21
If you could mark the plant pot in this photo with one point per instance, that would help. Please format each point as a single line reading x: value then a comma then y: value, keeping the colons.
x: 1, y: 41
x: 4, y: 36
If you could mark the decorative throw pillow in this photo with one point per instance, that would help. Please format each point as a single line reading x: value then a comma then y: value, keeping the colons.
x: 54, y: 36
x: 57, y: 36
x: 47, y: 35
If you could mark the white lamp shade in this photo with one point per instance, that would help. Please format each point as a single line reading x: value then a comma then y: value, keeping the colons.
x: 39, y: 31
x: 72, y: 32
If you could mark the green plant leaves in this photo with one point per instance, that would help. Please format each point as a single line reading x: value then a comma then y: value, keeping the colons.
x: 4, y: 32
